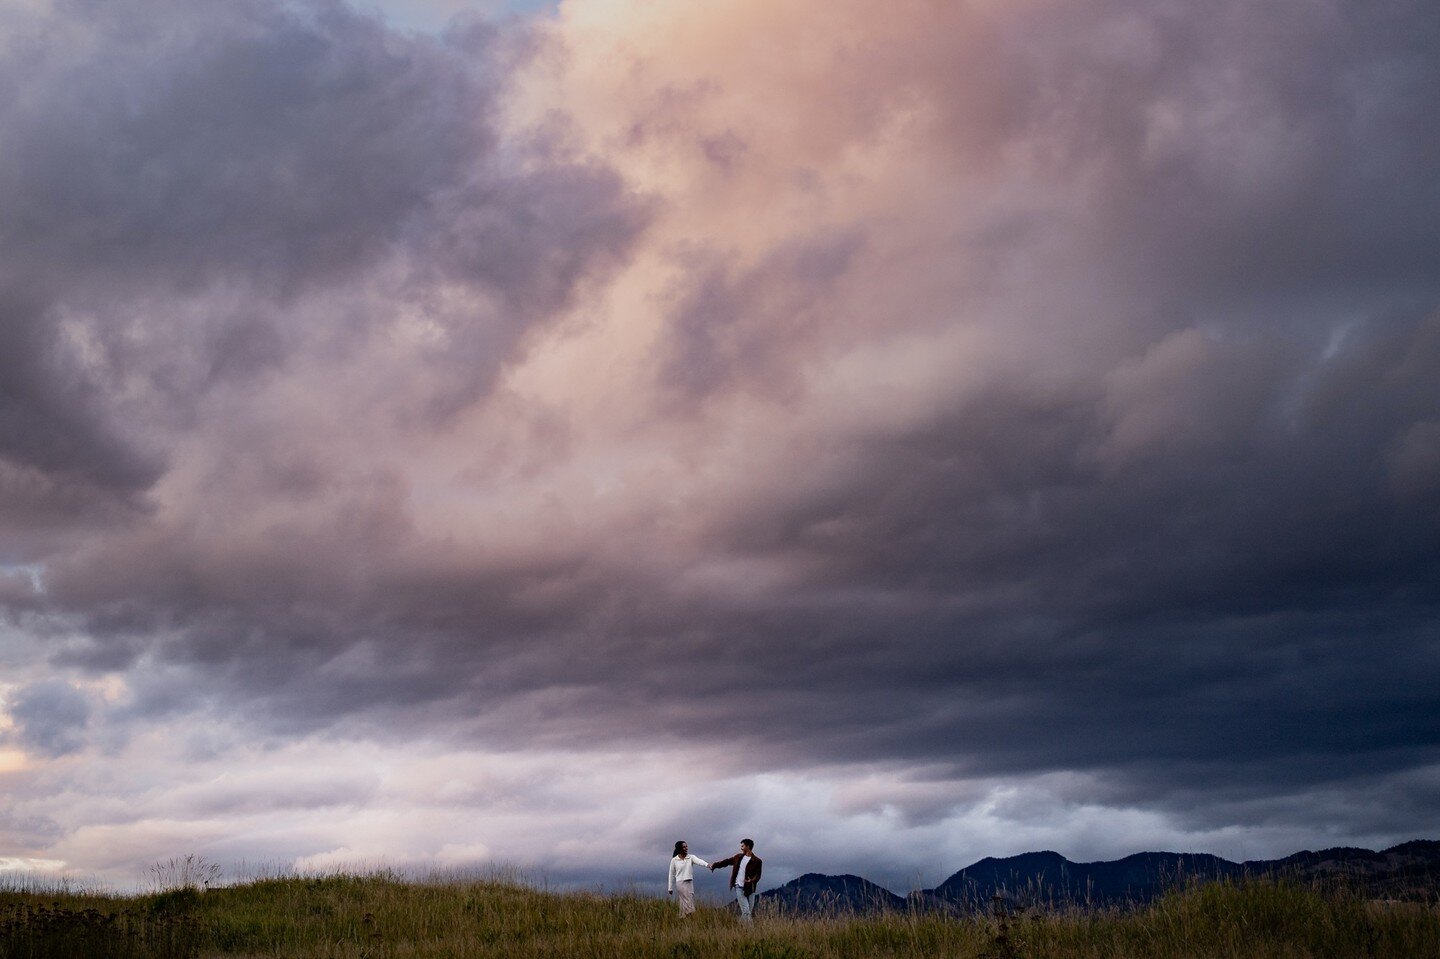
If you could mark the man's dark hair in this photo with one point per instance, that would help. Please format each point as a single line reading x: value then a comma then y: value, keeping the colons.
x: 748, y: 842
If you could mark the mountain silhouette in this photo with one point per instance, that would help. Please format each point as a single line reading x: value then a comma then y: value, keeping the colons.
x: 1048, y: 879
x: 814, y: 892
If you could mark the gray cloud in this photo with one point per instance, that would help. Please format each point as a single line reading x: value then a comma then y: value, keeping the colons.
x: 732, y: 326
x: 185, y: 205
x: 49, y: 717
x: 1170, y: 517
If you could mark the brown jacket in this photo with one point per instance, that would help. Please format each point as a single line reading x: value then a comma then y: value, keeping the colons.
x: 752, y: 871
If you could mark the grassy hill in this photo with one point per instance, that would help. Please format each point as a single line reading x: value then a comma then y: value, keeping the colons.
x: 373, y: 916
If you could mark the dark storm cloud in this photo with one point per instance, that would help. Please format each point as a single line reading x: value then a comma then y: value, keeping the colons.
x: 1194, y: 538
x: 184, y: 181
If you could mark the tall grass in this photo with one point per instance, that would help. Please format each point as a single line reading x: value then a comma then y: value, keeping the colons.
x: 383, y: 915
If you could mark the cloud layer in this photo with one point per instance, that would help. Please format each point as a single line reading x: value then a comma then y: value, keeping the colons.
x: 941, y: 421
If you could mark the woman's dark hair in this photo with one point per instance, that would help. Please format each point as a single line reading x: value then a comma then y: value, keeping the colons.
x: 678, y: 844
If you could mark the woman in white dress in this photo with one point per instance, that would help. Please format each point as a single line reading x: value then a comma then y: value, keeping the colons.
x: 682, y: 877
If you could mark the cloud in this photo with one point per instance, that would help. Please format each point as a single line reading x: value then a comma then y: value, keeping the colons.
x: 48, y: 717
x: 421, y: 806
x: 1027, y: 410
x: 201, y: 210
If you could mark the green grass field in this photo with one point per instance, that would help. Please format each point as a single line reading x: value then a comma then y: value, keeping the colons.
x: 349, y: 917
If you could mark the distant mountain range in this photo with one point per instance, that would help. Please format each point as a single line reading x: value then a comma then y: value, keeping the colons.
x: 1409, y: 870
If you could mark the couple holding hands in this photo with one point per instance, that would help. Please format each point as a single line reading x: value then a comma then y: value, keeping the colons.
x: 744, y: 876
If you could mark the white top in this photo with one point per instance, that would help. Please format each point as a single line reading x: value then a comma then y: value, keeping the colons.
x: 680, y: 870
x: 740, y: 874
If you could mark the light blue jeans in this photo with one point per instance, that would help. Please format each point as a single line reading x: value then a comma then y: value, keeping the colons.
x: 744, y: 902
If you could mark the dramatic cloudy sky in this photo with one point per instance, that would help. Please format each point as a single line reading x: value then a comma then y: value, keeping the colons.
x: 441, y: 433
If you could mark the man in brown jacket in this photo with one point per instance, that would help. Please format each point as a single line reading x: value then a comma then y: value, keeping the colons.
x: 744, y: 875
